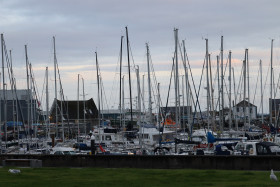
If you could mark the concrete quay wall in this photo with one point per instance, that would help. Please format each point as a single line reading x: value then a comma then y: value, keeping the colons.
x: 156, y: 162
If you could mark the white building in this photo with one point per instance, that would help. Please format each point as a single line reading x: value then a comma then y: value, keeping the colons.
x: 250, y: 109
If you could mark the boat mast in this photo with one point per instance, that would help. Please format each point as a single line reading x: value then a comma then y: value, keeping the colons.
x: 15, y: 100
x: 101, y: 99
x: 84, y: 102
x: 222, y: 83
x: 271, y: 71
x: 16, y: 107
x: 158, y: 116
x: 244, y: 92
x: 249, y: 104
x: 31, y: 99
x: 2, y: 54
x: 211, y: 90
x: 176, y: 74
x: 207, y: 76
x: 261, y: 89
x: 143, y: 92
x: 183, y: 98
x: 139, y: 107
x: 123, y: 109
x: 219, y: 92
x: 235, y: 99
x: 129, y: 77
x: 47, y: 105
x: 187, y: 86
x: 98, y: 95
x: 149, y: 85
x: 15, y: 104
x: 13, y: 92
x: 229, y: 78
x: 120, y: 101
x: 5, y: 101
x: 28, y: 99
x: 3, y: 92
x: 122, y: 115
x: 61, y: 110
x: 78, y: 106
x: 55, y: 86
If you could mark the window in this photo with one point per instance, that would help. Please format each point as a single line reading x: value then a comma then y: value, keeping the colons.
x: 248, y: 147
x: 145, y: 136
x: 262, y: 150
x: 240, y: 147
x: 58, y: 153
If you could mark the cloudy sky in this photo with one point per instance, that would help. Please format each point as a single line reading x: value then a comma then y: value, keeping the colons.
x: 82, y: 27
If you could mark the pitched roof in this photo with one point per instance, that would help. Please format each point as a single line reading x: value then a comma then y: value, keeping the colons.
x: 246, y: 103
x: 70, y: 109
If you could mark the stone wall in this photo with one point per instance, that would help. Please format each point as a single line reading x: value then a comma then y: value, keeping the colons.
x: 159, y: 162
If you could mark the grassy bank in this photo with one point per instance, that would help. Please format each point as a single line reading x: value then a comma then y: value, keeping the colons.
x: 134, y: 177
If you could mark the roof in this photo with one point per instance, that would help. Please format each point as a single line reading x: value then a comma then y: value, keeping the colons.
x: 246, y: 103
x: 70, y: 109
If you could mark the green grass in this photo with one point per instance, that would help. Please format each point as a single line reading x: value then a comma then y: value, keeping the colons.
x: 133, y: 177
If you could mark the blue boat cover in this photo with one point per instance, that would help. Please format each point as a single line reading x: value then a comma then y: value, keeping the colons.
x: 12, y: 123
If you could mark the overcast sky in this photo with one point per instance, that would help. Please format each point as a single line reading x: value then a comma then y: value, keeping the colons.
x: 82, y: 27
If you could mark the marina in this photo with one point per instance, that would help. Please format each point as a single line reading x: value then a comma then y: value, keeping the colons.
x: 139, y: 93
x: 85, y: 127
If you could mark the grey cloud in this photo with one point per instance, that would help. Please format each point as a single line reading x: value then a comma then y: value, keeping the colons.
x: 81, y: 27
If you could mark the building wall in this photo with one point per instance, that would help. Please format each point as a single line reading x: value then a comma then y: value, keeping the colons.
x: 21, y: 94
x: 22, y: 109
x: 240, y: 114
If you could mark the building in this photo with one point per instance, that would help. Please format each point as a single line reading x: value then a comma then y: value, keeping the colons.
x: 17, y: 107
x: 181, y: 109
x: 113, y: 115
x: 87, y: 111
x: 238, y: 110
x: 275, y: 106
